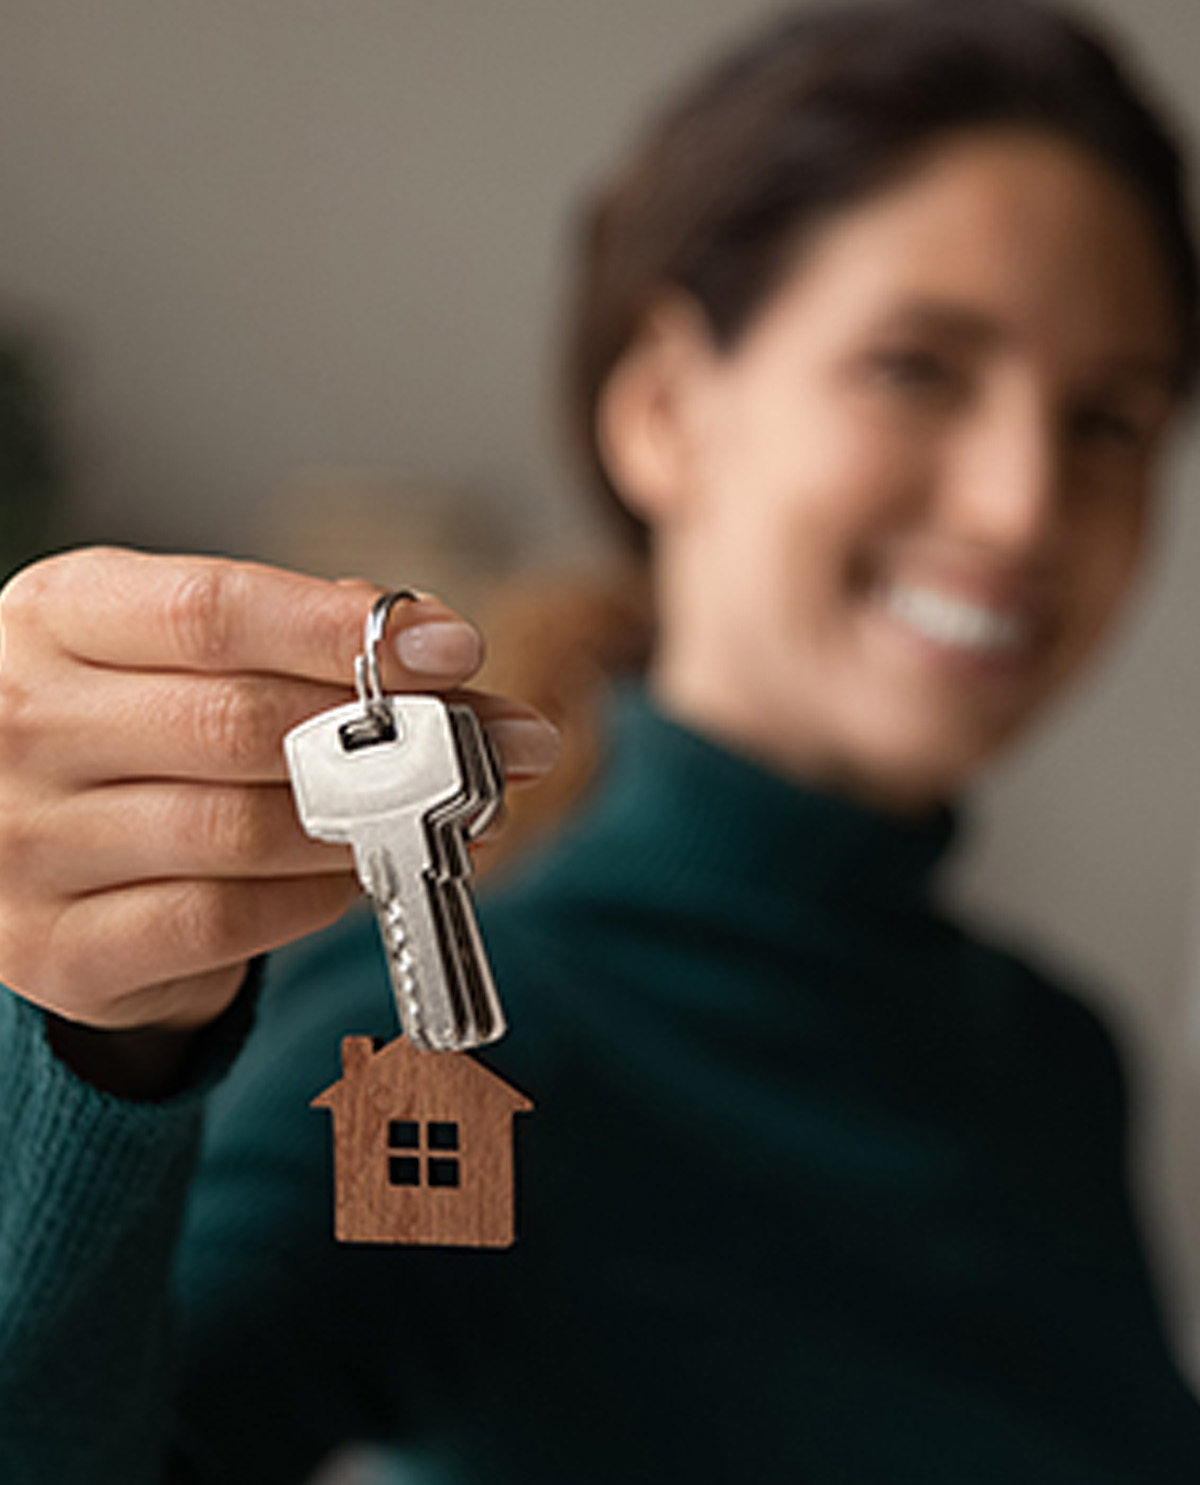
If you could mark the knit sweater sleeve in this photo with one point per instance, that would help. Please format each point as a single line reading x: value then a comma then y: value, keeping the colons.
x: 92, y: 1190
x: 165, y: 1267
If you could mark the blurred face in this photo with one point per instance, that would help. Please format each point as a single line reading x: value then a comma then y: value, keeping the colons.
x: 897, y: 517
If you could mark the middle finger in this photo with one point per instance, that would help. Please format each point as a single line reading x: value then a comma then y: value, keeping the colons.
x: 122, y: 725
x: 126, y: 833
x: 113, y: 726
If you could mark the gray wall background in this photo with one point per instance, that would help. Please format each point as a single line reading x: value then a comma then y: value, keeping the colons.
x: 267, y: 234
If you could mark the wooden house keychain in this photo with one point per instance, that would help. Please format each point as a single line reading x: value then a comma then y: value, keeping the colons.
x: 423, y: 1143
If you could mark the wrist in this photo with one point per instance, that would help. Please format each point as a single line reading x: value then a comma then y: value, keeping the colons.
x: 142, y: 1064
x: 148, y: 1064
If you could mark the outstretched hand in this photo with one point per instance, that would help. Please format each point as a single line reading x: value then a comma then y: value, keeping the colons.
x: 149, y: 846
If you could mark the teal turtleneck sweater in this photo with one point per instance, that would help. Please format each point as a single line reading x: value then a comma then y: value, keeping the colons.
x: 818, y: 1188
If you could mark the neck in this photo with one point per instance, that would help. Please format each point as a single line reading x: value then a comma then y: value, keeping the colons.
x: 678, y: 812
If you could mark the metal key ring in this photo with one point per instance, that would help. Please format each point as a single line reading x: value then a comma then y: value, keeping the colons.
x: 366, y: 665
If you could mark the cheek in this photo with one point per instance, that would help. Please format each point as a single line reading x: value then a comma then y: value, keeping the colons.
x: 855, y: 504
x: 797, y: 495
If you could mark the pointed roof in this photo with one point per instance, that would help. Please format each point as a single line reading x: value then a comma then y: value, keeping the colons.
x: 436, y: 1075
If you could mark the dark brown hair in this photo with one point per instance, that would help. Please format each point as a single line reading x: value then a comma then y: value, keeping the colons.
x: 813, y: 114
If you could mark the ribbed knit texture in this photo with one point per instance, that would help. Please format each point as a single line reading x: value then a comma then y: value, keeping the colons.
x: 91, y: 1196
x: 817, y: 1188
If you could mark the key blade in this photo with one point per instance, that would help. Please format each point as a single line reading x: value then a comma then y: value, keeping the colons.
x: 404, y: 791
x: 429, y: 1010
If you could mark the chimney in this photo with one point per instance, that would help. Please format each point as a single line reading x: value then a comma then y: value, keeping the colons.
x: 357, y: 1052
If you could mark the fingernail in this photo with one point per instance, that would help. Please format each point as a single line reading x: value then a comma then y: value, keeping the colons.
x: 526, y: 744
x: 441, y: 648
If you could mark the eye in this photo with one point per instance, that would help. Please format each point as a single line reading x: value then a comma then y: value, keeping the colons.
x: 919, y: 371
x: 1105, y: 425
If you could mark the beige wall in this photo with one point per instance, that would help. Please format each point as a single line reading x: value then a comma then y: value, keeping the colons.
x: 271, y: 233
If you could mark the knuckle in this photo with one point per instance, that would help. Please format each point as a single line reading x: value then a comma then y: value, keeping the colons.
x: 25, y: 601
x: 203, y: 921
x: 23, y: 597
x: 17, y: 708
x: 235, y: 723
x: 232, y: 830
x: 21, y: 846
x: 197, y: 614
x: 30, y: 594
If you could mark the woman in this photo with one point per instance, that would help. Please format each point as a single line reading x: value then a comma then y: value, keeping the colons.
x: 879, y: 340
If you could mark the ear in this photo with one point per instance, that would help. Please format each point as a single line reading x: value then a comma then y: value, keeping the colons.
x: 647, y: 412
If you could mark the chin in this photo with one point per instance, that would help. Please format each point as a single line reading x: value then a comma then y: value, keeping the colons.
x: 934, y: 765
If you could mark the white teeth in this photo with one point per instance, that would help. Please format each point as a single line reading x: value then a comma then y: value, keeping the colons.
x: 953, y: 621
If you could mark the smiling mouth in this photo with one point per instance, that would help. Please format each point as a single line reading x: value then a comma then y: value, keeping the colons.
x: 957, y: 624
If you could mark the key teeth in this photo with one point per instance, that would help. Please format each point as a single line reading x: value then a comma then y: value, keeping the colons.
x: 421, y: 1039
x: 406, y: 986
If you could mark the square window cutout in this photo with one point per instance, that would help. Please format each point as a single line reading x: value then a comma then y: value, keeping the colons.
x: 443, y: 1172
x: 404, y: 1170
x: 403, y: 1134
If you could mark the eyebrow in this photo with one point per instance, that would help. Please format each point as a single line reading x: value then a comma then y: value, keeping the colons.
x: 954, y: 320
x: 1159, y: 375
x: 977, y: 331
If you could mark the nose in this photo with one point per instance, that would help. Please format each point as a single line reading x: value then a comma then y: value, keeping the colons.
x: 1002, y: 487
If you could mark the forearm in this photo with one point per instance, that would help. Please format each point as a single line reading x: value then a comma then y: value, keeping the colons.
x: 92, y: 1191
x: 91, y: 1197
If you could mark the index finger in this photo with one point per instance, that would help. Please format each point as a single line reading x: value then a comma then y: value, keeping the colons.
x: 134, y: 610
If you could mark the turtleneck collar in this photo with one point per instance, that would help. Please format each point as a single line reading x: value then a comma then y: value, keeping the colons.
x: 691, y: 808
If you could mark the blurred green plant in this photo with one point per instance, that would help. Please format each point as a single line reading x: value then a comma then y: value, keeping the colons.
x: 30, y: 474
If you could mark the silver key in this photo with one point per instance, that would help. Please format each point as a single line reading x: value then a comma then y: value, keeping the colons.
x: 405, y: 780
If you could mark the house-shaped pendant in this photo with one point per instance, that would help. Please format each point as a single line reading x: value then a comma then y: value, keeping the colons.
x: 423, y: 1147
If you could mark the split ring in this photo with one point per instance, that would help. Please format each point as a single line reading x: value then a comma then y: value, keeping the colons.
x: 366, y: 665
